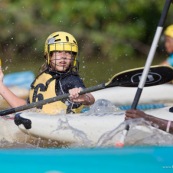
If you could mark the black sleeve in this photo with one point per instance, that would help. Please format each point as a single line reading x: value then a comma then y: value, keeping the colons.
x: 78, y: 82
x: 64, y: 85
x: 71, y: 82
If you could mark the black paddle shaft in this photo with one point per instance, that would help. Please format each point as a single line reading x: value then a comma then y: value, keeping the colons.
x: 50, y: 100
x: 151, y: 52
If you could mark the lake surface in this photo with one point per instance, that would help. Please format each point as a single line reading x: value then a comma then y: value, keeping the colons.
x: 93, y: 71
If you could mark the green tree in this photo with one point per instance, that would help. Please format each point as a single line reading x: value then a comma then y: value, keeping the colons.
x: 104, y: 29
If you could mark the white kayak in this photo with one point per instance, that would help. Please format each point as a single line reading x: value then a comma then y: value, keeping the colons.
x: 10, y: 132
x: 11, y: 136
x: 125, y: 95
x: 22, y: 79
x: 162, y: 113
x: 91, y: 129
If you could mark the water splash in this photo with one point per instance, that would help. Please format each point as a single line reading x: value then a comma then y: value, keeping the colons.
x: 78, y: 135
x: 103, y: 107
x: 141, y: 133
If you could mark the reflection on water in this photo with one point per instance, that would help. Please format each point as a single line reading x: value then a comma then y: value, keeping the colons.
x: 7, y: 144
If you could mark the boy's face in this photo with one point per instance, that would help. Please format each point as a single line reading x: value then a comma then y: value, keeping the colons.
x: 61, y: 60
x: 169, y: 44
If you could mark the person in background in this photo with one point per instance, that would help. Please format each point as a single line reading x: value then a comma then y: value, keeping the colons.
x: 58, y: 75
x: 168, y: 33
x: 162, y: 124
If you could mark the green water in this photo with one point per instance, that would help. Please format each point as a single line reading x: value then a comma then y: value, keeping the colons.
x: 93, y: 71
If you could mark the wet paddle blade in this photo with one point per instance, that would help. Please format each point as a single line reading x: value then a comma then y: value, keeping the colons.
x: 157, y: 75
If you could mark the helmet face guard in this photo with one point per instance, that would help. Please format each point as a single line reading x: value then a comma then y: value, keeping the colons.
x: 61, y: 41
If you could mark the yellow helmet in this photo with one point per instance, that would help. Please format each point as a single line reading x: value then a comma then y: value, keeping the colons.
x: 169, y: 31
x: 60, y: 41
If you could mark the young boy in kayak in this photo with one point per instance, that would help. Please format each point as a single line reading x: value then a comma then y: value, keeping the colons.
x: 168, y: 33
x: 58, y: 75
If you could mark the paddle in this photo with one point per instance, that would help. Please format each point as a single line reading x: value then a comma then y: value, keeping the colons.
x: 130, y: 78
x: 149, y: 59
x: 151, y: 53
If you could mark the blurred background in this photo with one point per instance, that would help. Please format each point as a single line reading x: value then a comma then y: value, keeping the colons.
x: 113, y: 35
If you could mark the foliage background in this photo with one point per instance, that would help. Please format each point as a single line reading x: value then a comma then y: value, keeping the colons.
x: 106, y: 30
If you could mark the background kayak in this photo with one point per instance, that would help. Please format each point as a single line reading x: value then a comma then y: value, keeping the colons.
x: 125, y: 95
x: 21, y: 79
